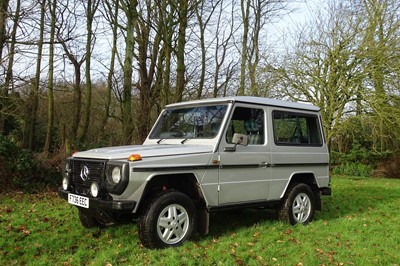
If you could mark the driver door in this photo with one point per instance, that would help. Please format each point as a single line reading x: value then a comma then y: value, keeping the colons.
x: 244, y: 171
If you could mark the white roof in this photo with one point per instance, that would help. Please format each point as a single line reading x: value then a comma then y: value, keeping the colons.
x: 250, y: 100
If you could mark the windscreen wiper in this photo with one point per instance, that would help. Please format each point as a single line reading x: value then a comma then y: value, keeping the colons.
x: 183, y: 141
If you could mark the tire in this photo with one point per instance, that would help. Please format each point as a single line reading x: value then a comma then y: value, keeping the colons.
x: 298, y: 205
x: 86, y: 219
x: 167, y: 221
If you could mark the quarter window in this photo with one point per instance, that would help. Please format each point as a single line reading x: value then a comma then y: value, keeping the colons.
x: 296, y: 129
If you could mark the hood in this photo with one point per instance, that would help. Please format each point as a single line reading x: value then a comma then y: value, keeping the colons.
x: 123, y: 152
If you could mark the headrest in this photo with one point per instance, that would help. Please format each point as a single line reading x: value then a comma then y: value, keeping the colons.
x: 251, y: 126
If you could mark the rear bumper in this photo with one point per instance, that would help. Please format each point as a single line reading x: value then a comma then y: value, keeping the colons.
x: 326, y: 191
x: 106, y: 205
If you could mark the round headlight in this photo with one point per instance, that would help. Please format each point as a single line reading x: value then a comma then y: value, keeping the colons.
x: 94, y: 189
x: 65, y: 183
x: 116, y: 175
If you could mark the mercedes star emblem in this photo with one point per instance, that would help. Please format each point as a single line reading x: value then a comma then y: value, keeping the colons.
x: 84, y: 173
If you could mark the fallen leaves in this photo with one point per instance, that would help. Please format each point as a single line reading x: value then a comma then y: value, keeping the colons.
x: 24, y: 230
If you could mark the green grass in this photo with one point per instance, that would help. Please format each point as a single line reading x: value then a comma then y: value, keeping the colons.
x: 359, y: 225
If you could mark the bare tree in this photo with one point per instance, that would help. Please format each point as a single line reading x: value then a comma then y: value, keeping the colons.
x: 167, y: 25
x: 129, y: 7
x: 111, y: 12
x: 33, y: 101
x: 50, y: 87
x: 245, y: 8
x: 91, y: 9
x: 223, y: 35
x: 255, y: 15
x: 323, y: 67
x: 381, y: 49
x: 69, y: 18
x: 4, y: 87
x: 3, y: 22
x: 147, y: 55
x: 183, y: 9
x: 204, y: 14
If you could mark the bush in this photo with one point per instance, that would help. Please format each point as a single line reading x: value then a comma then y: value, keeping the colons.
x: 20, y: 170
x: 390, y: 168
x: 359, y: 154
x: 353, y: 169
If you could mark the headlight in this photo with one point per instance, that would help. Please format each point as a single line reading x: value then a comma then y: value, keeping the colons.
x: 65, y: 183
x: 94, y: 189
x: 116, y: 175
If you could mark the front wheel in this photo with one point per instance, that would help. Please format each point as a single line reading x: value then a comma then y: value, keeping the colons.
x: 298, y: 205
x: 167, y: 221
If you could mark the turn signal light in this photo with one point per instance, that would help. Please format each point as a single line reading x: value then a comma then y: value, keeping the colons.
x: 134, y: 157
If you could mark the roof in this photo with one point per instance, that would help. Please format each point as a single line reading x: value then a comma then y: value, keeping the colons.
x: 250, y: 100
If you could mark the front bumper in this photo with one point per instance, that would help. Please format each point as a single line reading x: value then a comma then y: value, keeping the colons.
x: 106, y: 205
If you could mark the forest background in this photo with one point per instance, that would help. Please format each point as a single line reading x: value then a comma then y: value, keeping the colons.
x: 78, y: 74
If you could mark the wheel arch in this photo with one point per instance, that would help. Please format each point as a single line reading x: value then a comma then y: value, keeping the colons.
x: 186, y: 183
x: 309, y: 179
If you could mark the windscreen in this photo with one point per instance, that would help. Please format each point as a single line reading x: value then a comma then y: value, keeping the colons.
x: 189, y: 123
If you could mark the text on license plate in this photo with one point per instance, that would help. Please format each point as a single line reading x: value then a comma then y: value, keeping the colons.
x: 78, y: 200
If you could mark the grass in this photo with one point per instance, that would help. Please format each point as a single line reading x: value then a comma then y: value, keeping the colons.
x: 359, y: 225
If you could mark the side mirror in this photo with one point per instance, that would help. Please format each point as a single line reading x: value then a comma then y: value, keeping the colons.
x: 240, y: 139
x: 237, y: 139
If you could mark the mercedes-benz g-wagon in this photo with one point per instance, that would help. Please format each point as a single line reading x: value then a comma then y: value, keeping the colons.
x: 200, y: 157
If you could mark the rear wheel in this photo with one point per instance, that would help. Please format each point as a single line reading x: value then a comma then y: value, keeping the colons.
x: 298, y: 205
x: 167, y: 221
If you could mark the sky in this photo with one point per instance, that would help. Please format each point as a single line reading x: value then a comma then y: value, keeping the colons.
x: 301, y: 13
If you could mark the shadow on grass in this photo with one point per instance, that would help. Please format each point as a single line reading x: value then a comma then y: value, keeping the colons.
x: 227, y: 222
x: 346, y: 200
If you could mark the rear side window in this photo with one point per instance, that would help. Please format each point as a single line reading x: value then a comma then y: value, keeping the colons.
x: 296, y: 129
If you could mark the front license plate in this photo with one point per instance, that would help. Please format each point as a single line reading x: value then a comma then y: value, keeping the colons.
x: 78, y: 201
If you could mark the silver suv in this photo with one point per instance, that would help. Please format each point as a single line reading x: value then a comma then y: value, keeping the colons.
x: 201, y: 157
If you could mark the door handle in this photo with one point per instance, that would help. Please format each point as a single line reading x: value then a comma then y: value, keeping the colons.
x: 265, y: 165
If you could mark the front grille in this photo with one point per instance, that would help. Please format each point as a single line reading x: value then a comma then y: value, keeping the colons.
x: 84, y: 173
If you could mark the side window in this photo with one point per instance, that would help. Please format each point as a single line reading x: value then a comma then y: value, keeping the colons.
x: 296, y: 129
x: 247, y: 121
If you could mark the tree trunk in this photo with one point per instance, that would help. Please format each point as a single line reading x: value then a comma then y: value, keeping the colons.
x: 92, y: 6
x: 64, y: 36
x: 199, y: 13
x: 127, y: 125
x: 180, y: 53
x: 4, y: 90
x: 3, y: 22
x: 31, y: 118
x: 50, y: 89
x: 114, y: 25
x: 245, y: 6
x: 167, y: 25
